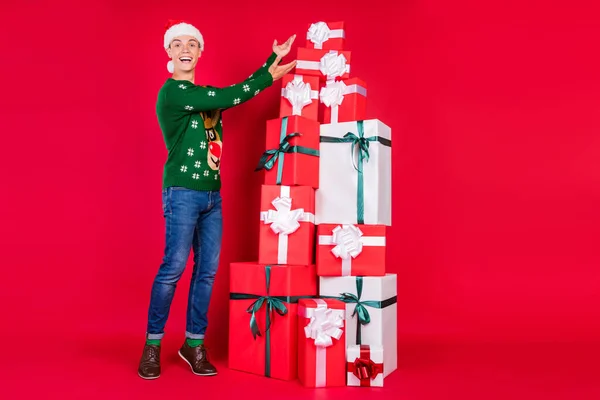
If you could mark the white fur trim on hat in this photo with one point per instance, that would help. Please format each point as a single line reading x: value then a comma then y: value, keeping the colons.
x: 182, y: 29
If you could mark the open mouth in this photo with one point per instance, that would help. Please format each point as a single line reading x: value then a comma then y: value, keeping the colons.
x: 185, y: 60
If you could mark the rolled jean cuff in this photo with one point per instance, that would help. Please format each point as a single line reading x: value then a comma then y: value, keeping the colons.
x: 155, y: 336
x: 196, y: 336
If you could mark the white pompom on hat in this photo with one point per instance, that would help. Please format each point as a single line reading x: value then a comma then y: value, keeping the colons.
x: 175, y: 28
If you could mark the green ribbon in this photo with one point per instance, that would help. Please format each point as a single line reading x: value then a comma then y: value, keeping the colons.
x: 360, y: 309
x: 273, y: 304
x: 361, y: 143
x: 269, y: 157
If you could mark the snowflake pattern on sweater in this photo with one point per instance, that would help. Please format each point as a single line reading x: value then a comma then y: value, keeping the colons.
x: 190, y: 118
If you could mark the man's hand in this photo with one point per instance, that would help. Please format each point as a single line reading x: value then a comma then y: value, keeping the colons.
x: 283, y: 49
x: 277, y: 71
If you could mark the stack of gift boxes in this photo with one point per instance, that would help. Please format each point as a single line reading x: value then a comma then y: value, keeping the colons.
x: 318, y: 305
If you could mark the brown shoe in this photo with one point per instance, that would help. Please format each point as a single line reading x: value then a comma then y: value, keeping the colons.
x: 197, y: 358
x: 150, y: 363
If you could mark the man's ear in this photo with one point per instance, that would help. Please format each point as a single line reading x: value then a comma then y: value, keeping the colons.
x: 168, y: 50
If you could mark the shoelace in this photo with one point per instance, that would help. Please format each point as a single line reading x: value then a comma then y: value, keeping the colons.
x: 152, y: 354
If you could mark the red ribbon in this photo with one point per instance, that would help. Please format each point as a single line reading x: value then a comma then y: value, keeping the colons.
x: 364, y: 368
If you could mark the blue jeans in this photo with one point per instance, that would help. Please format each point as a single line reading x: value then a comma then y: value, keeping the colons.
x: 193, y: 220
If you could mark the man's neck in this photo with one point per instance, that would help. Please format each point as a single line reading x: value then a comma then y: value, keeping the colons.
x: 184, y: 76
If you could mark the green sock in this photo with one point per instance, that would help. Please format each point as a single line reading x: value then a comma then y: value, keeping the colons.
x: 155, y: 342
x: 194, y: 342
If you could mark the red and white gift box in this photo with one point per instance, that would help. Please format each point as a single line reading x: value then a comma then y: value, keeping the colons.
x: 287, y: 230
x: 321, y: 343
x: 326, y: 64
x: 365, y: 365
x: 344, y: 100
x: 326, y: 36
x: 299, y: 96
x: 350, y: 250
x: 253, y: 288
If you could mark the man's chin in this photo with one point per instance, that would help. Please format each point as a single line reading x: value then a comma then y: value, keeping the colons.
x: 187, y: 68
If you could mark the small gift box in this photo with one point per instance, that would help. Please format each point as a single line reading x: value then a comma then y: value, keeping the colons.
x: 365, y: 365
x: 287, y: 231
x: 326, y: 64
x: 326, y: 36
x: 299, y: 96
x: 344, y: 100
x: 292, y: 156
x: 321, y: 343
x: 350, y: 250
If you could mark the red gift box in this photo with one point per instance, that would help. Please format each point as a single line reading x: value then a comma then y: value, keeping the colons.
x: 287, y: 226
x: 326, y: 64
x: 365, y: 365
x: 350, y: 250
x: 321, y: 342
x: 292, y: 156
x: 344, y: 100
x: 261, y: 342
x: 326, y: 36
x: 299, y: 96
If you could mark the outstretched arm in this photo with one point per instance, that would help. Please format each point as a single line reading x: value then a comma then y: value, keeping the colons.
x: 188, y: 98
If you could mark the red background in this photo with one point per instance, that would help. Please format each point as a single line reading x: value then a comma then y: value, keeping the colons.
x: 494, y: 113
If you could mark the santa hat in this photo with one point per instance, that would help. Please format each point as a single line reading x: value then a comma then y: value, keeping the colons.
x: 175, y: 28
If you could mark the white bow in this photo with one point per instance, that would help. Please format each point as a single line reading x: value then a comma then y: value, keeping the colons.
x: 298, y: 94
x: 285, y: 220
x: 347, y: 240
x: 333, y: 65
x: 318, y: 33
x: 324, y: 325
x: 332, y: 95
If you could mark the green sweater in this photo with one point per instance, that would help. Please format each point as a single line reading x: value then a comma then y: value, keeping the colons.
x: 189, y: 116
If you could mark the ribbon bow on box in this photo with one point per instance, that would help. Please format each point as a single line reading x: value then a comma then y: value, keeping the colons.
x: 299, y: 94
x: 333, y: 65
x: 285, y: 220
x: 318, y: 33
x: 347, y: 241
x: 325, y: 324
x: 365, y: 368
x: 271, y: 156
x: 332, y: 95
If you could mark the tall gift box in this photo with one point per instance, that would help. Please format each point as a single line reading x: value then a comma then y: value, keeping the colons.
x: 263, y: 336
x: 350, y: 250
x: 371, y: 311
x: 326, y: 64
x: 326, y: 35
x: 299, y: 96
x: 287, y: 229
x: 344, y: 100
x: 292, y: 155
x: 321, y: 343
x: 365, y: 365
x: 355, y: 174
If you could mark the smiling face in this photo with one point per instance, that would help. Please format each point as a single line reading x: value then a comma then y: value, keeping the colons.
x: 185, y: 52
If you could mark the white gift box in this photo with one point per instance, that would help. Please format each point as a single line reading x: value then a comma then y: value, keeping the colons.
x: 355, y: 181
x: 378, y: 298
x: 364, y: 365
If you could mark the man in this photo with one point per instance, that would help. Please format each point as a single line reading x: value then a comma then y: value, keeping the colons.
x: 190, y: 119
